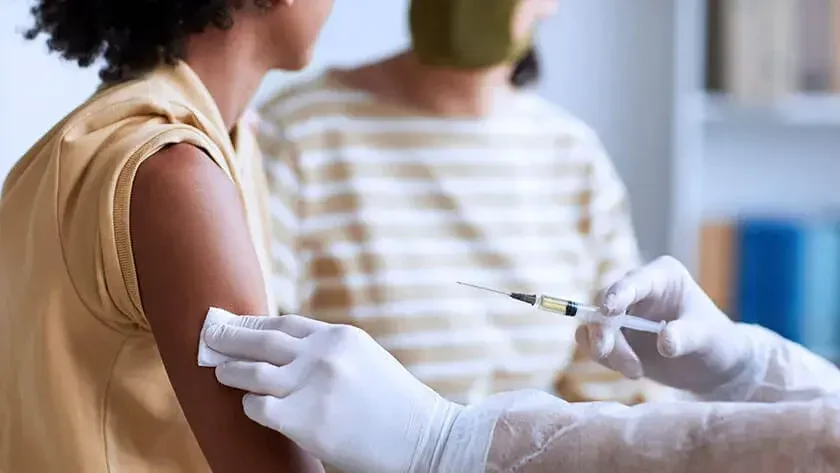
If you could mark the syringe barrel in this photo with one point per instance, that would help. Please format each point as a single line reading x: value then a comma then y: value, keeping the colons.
x: 589, y: 315
x: 557, y: 305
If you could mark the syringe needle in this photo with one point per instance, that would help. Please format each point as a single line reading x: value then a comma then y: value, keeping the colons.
x: 483, y: 288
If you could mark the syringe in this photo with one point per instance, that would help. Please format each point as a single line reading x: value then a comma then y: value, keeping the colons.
x: 585, y: 313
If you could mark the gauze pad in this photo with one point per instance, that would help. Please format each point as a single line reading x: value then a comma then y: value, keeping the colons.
x: 207, y: 357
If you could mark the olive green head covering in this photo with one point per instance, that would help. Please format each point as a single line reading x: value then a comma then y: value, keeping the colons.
x: 465, y: 34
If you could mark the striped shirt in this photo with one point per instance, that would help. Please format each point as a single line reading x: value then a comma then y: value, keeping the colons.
x: 378, y: 210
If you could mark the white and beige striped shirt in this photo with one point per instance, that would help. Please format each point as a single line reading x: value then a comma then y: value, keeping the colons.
x: 379, y: 210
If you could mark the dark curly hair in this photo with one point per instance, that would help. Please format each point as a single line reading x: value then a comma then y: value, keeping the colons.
x: 131, y: 36
x: 527, y: 71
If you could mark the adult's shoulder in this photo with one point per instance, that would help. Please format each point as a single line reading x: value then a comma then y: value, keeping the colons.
x: 556, y: 118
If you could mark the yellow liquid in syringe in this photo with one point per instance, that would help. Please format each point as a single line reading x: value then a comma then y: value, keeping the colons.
x: 590, y: 314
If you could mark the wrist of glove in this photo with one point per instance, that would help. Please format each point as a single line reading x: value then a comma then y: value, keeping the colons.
x: 335, y: 392
x: 729, y: 365
x: 431, y: 453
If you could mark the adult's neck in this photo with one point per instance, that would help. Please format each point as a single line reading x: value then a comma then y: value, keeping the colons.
x: 450, y: 91
x: 231, y: 66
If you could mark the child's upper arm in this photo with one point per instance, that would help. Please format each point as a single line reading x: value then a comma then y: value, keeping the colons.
x: 192, y: 250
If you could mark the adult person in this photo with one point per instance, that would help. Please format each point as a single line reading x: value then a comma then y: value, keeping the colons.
x: 340, y: 395
x: 392, y: 180
x: 119, y: 228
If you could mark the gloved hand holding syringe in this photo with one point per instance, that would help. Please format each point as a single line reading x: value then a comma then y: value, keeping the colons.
x: 586, y: 314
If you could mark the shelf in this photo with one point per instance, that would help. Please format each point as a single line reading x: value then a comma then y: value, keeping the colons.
x: 798, y: 110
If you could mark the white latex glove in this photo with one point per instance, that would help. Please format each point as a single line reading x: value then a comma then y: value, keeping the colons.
x: 334, y: 391
x: 700, y: 350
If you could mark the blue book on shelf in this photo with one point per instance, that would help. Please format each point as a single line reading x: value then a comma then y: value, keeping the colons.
x: 821, y: 282
x: 771, y: 271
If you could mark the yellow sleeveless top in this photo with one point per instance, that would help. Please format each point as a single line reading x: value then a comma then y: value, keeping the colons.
x: 82, y: 386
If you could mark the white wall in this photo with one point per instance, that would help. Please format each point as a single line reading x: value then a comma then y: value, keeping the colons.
x: 36, y: 90
x: 610, y: 61
x: 357, y: 31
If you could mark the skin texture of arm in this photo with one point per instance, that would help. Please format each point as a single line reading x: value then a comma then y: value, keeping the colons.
x: 192, y: 250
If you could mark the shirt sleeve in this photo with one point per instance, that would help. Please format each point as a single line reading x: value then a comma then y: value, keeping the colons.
x: 95, y: 222
x: 283, y: 180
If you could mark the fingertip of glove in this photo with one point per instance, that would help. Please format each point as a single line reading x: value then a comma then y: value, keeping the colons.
x: 619, y: 298
x: 597, y: 342
x: 610, y: 305
x: 253, y: 405
x: 259, y: 408
x: 668, y: 344
x: 602, y: 340
x: 221, y: 371
x: 247, y: 400
x: 603, y: 348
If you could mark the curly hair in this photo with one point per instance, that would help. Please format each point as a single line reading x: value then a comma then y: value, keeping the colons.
x: 527, y: 71
x: 131, y: 36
